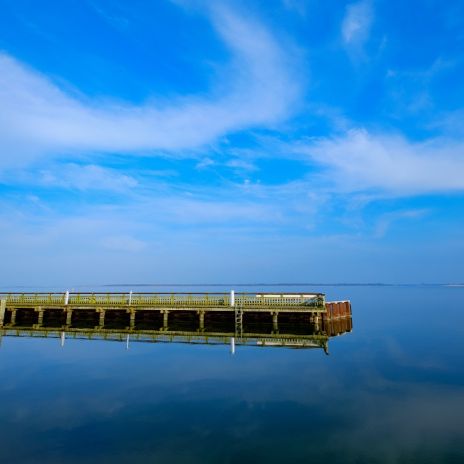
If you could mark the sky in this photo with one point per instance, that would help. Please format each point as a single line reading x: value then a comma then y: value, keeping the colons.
x: 176, y: 141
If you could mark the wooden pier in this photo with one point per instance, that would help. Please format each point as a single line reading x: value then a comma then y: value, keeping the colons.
x: 234, y: 313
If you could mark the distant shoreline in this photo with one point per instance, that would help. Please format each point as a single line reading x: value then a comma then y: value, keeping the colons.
x: 232, y: 285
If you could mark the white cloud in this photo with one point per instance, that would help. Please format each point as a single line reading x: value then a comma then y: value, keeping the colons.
x: 204, y: 163
x: 357, y: 23
x: 241, y: 165
x: 86, y: 177
x: 257, y: 88
x: 360, y: 160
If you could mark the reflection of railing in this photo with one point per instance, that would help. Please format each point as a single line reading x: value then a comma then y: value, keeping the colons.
x: 170, y: 300
x: 210, y: 338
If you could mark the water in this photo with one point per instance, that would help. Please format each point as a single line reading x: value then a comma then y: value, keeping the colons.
x: 391, y: 391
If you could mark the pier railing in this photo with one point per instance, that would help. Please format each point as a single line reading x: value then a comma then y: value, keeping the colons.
x: 169, y: 300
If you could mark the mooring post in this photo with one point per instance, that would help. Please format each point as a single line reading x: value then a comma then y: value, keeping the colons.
x: 66, y: 298
x: 130, y: 297
x: 2, y: 310
x: 232, y: 298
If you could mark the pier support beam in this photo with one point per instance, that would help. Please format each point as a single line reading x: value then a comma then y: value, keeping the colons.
x: 131, y: 318
x: 101, y: 317
x: 316, y: 321
x: 202, y: 320
x: 275, y: 322
x: 2, y: 311
x: 68, y: 313
x: 13, y: 316
x: 165, y: 313
x: 40, y: 316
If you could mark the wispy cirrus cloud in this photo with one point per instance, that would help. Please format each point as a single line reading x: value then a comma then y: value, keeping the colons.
x: 388, y: 219
x: 357, y: 23
x: 39, y: 118
x: 86, y: 177
x: 360, y: 160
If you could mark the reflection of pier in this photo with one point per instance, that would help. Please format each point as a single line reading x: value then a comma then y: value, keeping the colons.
x: 292, y: 320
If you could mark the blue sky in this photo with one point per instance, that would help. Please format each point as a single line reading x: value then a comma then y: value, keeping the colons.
x: 257, y: 141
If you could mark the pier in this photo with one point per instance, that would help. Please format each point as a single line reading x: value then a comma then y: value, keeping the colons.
x: 280, y: 319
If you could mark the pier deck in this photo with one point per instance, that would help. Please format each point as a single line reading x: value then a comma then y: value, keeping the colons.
x: 305, y: 302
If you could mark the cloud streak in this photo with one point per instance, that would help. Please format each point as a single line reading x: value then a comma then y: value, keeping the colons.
x: 86, y: 177
x: 360, y: 160
x: 357, y: 23
x: 38, y: 118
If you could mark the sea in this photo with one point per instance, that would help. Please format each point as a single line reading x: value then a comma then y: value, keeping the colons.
x: 391, y: 390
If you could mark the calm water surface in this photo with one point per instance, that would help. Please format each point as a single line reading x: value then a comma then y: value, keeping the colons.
x: 391, y: 391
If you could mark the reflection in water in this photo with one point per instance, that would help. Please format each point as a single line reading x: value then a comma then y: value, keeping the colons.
x: 291, y: 330
x: 392, y: 391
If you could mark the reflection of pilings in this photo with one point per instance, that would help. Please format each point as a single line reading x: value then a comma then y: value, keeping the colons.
x: 326, y: 347
x: 194, y: 336
x: 334, y: 327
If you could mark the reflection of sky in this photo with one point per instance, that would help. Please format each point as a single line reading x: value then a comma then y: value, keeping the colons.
x: 391, y: 391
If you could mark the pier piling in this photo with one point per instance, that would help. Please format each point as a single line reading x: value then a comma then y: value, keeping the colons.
x: 2, y: 310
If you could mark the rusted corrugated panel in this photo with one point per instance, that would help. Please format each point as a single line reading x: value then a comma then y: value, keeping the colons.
x: 338, y: 309
x: 329, y: 307
x: 346, y: 309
